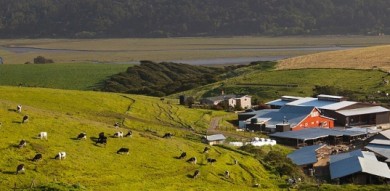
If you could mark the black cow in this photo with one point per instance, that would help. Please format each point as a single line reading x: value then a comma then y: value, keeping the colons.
x: 192, y: 160
x: 25, y: 119
x: 82, y: 136
x: 20, y: 168
x: 196, y: 174
x: 168, y: 135
x: 211, y: 161
x: 183, y: 154
x: 37, y: 157
x: 101, y: 135
x: 123, y: 151
x: 102, y: 140
x: 206, y: 150
x: 129, y: 133
x: 22, y: 144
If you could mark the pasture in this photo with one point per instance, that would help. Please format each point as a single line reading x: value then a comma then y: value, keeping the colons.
x: 268, y: 85
x: 151, y: 164
x: 61, y: 76
x: 19, y: 51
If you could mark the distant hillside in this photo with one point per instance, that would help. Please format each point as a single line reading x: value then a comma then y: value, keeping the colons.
x: 150, y: 18
x: 160, y: 79
x: 359, y: 58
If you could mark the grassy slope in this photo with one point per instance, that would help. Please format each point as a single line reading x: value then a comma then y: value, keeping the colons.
x: 150, y: 165
x: 63, y: 76
x: 361, y: 58
x: 362, y: 81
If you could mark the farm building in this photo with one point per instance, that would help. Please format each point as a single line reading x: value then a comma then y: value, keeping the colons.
x: 214, y: 139
x: 313, y: 136
x: 305, y: 156
x: 243, y: 101
x: 381, y: 148
x: 288, y: 118
x: 358, y: 167
x: 345, y: 113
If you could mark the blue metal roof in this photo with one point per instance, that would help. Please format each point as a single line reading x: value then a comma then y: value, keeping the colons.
x: 305, y: 155
x: 314, y: 133
x: 289, y: 114
x: 357, y: 161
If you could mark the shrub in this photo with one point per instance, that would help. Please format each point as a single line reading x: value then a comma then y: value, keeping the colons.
x: 42, y: 60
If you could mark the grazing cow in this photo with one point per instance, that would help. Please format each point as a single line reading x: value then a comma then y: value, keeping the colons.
x: 102, y: 140
x: 20, y: 169
x: 211, y: 161
x: 22, y: 144
x: 129, y: 133
x: 37, y: 157
x: 82, y: 136
x: 116, y: 125
x: 206, y: 150
x: 101, y: 135
x: 60, y: 155
x: 25, y: 119
x: 168, y: 135
x: 227, y: 174
x: 123, y: 151
x: 42, y: 135
x: 192, y: 160
x: 235, y: 161
x: 118, y: 134
x: 196, y: 174
x: 183, y: 154
x: 19, y: 108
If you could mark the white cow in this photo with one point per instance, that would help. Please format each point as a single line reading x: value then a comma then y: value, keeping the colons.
x: 61, y: 155
x: 42, y: 135
x: 19, y: 108
x: 119, y: 134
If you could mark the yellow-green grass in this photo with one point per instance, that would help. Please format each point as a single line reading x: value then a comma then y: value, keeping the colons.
x: 359, y: 58
x: 162, y: 49
x: 363, y: 82
x: 63, y: 76
x: 151, y: 164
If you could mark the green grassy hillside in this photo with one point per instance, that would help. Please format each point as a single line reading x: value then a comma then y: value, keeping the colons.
x: 149, y: 166
x: 62, y: 76
x: 267, y: 85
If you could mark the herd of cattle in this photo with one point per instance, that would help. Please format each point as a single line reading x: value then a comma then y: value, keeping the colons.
x: 62, y: 155
x: 102, y: 139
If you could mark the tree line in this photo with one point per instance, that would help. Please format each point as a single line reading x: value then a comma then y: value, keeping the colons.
x: 171, y: 18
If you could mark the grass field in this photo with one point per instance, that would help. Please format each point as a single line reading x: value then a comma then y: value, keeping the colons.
x: 62, y: 76
x: 149, y: 166
x: 268, y: 85
x: 162, y: 49
x: 360, y: 58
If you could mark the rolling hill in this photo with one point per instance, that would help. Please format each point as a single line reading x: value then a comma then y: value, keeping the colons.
x: 151, y: 164
x: 359, y: 58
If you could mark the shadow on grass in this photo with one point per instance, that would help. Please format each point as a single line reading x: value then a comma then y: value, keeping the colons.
x: 9, y: 172
x: 13, y: 110
x: 190, y: 176
x: 75, y: 139
x: 18, y: 122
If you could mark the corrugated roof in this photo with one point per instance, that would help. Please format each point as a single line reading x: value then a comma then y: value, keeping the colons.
x: 342, y: 156
x: 374, y: 167
x: 305, y: 155
x: 357, y: 161
x: 380, y: 142
x: 314, y: 133
x: 287, y: 114
x: 338, y: 105
x: 329, y: 96
x: 278, y: 102
x: 383, y: 150
x: 216, y: 137
x: 362, y: 111
x: 344, y: 167
x: 364, y: 129
x: 386, y: 133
